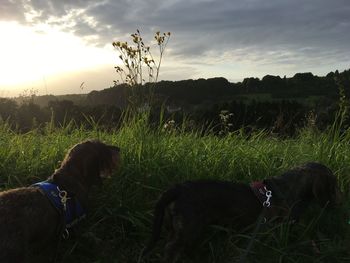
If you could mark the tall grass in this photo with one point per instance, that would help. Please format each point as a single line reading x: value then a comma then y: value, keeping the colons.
x: 153, y: 159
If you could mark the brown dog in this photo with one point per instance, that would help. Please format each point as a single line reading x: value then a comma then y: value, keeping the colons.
x: 31, y: 217
x: 195, y: 204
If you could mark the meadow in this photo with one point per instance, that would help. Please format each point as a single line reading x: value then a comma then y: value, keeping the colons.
x: 155, y: 158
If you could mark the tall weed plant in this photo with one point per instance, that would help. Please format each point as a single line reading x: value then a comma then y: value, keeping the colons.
x: 139, y: 65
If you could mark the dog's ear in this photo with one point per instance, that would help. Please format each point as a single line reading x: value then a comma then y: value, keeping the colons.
x: 325, y: 189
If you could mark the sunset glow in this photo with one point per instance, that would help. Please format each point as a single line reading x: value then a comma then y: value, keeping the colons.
x: 32, y: 54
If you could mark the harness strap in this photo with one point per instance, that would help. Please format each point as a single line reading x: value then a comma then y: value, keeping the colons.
x: 60, y: 228
x: 66, y: 205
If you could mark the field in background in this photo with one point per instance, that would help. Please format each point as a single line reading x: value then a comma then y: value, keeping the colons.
x: 119, y: 222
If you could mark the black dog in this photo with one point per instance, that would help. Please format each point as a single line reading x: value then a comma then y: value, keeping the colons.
x: 32, y: 217
x: 195, y: 204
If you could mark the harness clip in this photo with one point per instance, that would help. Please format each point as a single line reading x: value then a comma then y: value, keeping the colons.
x: 64, y: 197
x: 65, y: 234
x: 268, y: 195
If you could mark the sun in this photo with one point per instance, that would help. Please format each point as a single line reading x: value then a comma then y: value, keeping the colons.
x: 29, y: 54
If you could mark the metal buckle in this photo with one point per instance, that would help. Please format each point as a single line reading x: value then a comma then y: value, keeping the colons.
x: 65, y: 234
x: 268, y: 195
x: 64, y: 197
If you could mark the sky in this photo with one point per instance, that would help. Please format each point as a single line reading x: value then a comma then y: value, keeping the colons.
x: 65, y: 46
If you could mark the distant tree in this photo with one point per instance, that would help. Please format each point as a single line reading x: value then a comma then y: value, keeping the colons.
x: 63, y: 111
x: 116, y: 96
x: 8, y: 109
x: 272, y: 83
x: 29, y: 116
x: 251, y: 84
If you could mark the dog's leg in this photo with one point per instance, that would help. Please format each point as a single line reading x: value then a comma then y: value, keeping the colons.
x: 185, y: 231
x: 15, y: 255
x: 13, y: 247
x: 173, y: 250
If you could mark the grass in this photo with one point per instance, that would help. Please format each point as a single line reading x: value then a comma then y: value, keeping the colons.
x: 119, y: 221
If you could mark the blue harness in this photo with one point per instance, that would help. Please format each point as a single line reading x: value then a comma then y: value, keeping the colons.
x: 68, y: 207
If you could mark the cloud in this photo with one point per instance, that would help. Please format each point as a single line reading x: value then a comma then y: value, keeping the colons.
x: 275, y: 32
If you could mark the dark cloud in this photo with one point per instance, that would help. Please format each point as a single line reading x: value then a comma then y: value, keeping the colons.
x: 274, y: 31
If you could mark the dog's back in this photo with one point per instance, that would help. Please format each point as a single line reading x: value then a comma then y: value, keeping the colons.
x: 203, y: 202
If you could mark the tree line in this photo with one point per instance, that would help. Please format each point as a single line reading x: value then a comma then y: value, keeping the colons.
x: 280, y: 105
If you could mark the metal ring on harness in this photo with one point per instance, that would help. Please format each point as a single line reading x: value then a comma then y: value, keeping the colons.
x: 268, y: 195
x: 65, y: 234
x: 64, y: 197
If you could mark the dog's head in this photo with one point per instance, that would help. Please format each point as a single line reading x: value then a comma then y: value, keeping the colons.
x: 92, y: 160
x: 326, y: 190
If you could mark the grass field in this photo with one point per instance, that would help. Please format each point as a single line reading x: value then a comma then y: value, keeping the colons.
x: 119, y: 221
